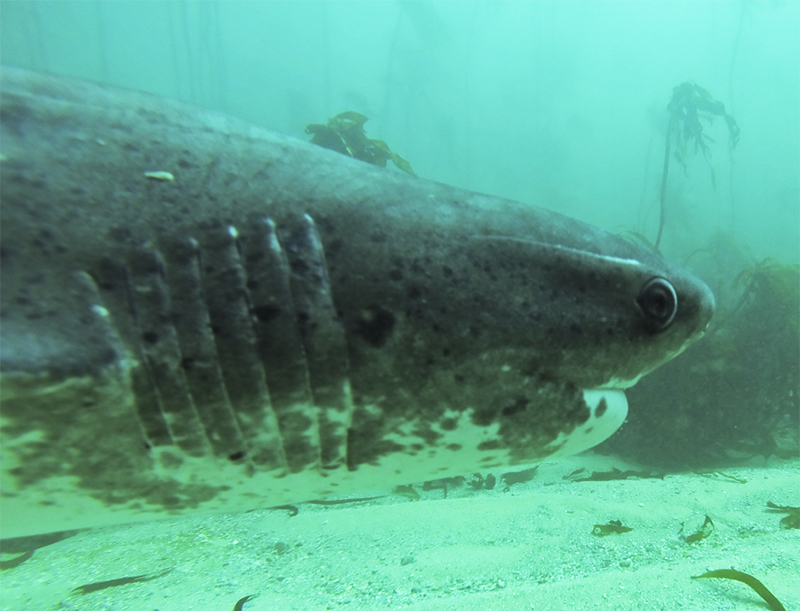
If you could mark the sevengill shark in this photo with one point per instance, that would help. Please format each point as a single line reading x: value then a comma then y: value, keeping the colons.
x: 200, y: 315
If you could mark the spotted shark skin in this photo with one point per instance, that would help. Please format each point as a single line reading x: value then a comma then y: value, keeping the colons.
x: 199, y: 315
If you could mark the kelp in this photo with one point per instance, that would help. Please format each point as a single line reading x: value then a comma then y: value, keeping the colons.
x: 689, y: 107
x: 771, y: 282
x: 704, y: 533
x: 32, y: 542
x: 614, y: 527
x: 292, y: 509
x: 519, y: 477
x: 113, y: 583
x: 719, y: 475
x: 443, y: 484
x: 239, y: 606
x: 478, y: 482
x: 614, y: 474
x: 343, y: 501
x: 345, y: 134
x: 792, y: 519
x: 408, y: 492
x: 749, y: 580
x: 15, y: 562
x: 768, y: 269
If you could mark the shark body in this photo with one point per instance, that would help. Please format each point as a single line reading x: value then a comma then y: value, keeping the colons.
x: 199, y: 315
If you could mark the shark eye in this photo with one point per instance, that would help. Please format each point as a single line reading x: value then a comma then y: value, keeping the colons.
x: 659, y: 302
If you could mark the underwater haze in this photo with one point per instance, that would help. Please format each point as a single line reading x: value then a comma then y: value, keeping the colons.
x: 672, y: 126
x: 559, y: 104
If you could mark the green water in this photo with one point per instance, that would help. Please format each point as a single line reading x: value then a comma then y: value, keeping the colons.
x: 560, y: 104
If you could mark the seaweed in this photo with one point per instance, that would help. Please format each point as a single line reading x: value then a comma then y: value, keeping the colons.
x: 704, y: 533
x: 751, y: 581
x: 32, y: 542
x: 772, y: 280
x: 408, y: 492
x: 292, y: 509
x: 113, y: 583
x: 343, y: 501
x: 240, y: 603
x: 733, y: 395
x: 345, y: 134
x: 614, y: 527
x: 614, y: 474
x: 478, y: 482
x: 443, y: 483
x: 792, y: 519
x: 689, y: 106
x: 518, y: 477
x: 15, y: 562
x: 721, y: 475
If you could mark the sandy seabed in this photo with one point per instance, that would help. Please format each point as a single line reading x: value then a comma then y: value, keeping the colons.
x: 527, y: 546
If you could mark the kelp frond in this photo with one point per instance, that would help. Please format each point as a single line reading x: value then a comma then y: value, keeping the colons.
x: 345, y: 134
x: 751, y: 581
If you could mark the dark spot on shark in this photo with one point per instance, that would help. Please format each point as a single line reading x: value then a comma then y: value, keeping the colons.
x: 519, y: 405
x: 365, y: 444
x: 448, y: 424
x: 299, y: 266
x: 428, y: 434
x: 375, y: 325
x: 333, y: 249
x: 267, y: 313
x: 483, y: 416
